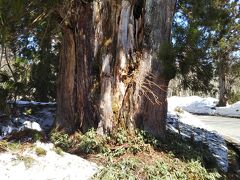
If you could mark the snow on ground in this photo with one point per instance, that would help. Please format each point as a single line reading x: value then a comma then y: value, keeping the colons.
x: 230, y: 110
x: 20, y: 102
x: 28, y: 165
x: 199, y: 105
x: 42, y: 120
x: 181, y: 121
x: 186, y: 118
x: 215, y: 143
x: 67, y: 166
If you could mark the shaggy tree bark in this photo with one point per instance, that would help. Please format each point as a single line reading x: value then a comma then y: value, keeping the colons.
x: 110, y: 74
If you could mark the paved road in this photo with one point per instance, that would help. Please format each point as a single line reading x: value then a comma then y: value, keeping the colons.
x: 223, y: 125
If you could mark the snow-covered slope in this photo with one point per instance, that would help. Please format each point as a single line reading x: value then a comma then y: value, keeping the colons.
x: 181, y: 121
x: 199, y: 105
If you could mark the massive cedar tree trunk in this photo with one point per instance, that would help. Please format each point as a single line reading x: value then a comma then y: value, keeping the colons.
x: 110, y: 73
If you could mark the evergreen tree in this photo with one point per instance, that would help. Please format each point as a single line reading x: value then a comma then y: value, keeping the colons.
x: 110, y: 72
x: 192, y: 36
x: 205, y: 39
x: 225, y: 46
x: 28, y: 55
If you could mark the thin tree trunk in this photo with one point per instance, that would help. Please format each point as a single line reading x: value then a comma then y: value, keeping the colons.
x: 222, y: 85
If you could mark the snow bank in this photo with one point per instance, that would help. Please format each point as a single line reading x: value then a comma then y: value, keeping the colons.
x: 229, y: 111
x: 193, y: 129
x: 51, y: 166
x: 181, y: 121
x: 199, y: 105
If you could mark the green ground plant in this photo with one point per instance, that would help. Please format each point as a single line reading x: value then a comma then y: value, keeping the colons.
x: 141, y: 156
x: 40, y: 151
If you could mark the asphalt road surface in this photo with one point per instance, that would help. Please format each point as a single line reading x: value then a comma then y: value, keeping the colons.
x: 225, y: 126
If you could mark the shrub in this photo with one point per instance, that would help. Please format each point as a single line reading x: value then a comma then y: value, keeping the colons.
x: 12, y: 146
x: 61, y: 140
x: 140, y: 156
x: 3, y: 146
x: 133, y: 168
x: 120, y: 170
x: 119, y: 136
x: 91, y: 143
x: 40, y: 151
x: 59, y: 151
x: 234, y: 97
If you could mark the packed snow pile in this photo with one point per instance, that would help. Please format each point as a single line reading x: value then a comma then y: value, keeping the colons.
x: 51, y: 165
x: 181, y: 121
x: 186, y: 118
x: 215, y: 143
x: 207, y: 106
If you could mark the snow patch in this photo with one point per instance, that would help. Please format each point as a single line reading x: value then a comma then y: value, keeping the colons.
x: 41, y: 121
x: 32, y: 125
x: 51, y: 166
x: 230, y: 110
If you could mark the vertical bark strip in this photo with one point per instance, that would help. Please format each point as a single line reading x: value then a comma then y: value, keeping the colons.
x: 84, y: 36
x: 106, y: 113
x: 65, y: 94
x: 75, y: 105
x: 123, y: 58
x: 108, y: 24
x: 158, y: 24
